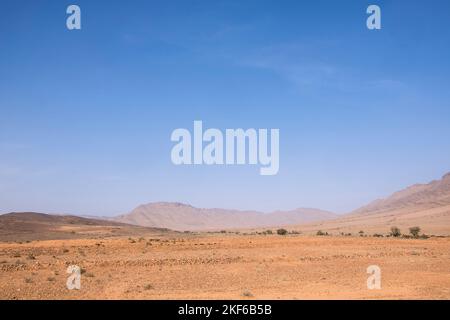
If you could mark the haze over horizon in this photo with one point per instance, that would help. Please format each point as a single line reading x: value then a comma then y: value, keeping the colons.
x: 86, y: 116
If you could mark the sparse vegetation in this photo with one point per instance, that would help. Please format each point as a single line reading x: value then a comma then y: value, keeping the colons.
x: 361, y: 233
x: 377, y: 235
x: 414, y: 231
x: 321, y: 233
x: 395, y: 232
x: 273, y: 259
x: 247, y: 293
x: 282, y: 232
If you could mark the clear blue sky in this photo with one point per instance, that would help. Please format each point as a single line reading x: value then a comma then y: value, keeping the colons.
x: 86, y: 116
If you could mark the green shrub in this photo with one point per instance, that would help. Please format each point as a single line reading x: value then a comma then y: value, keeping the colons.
x: 282, y: 232
x: 395, y: 232
x: 148, y: 287
x: 248, y: 293
x: 414, y: 231
x: 377, y: 235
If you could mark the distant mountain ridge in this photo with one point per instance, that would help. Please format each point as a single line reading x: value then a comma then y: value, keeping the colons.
x: 179, y: 216
x: 418, y: 196
x: 424, y: 205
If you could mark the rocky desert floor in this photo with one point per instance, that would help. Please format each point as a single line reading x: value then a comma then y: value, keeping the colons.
x: 225, y: 266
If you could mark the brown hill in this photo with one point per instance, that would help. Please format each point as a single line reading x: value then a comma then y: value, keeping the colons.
x: 419, y: 196
x: 178, y: 216
x: 424, y: 205
x: 23, y: 226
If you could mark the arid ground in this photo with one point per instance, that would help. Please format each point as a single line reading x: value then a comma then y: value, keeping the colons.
x: 226, y: 266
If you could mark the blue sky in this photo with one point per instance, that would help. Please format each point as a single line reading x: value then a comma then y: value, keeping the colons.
x: 86, y: 116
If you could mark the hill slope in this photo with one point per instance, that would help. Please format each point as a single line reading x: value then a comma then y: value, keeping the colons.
x: 22, y: 226
x: 419, y: 196
x: 424, y: 205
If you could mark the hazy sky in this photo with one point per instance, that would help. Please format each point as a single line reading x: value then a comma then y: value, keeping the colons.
x: 86, y: 116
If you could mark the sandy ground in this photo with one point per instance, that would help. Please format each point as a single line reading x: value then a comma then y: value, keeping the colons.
x: 227, y: 267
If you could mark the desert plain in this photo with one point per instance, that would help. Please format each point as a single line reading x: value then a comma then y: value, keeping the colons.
x: 165, y: 251
x: 226, y: 266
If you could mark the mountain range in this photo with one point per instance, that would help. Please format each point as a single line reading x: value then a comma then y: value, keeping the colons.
x: 178, y: 216
x: 424, y: 205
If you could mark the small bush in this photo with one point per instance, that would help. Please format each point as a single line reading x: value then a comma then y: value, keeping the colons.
x: 414, y: 231
x: 248, y: 293
x: 395, y: 232
x: 269, y: 232
x: 51, y: 279
x: 321, y: 233
x: 282, y: 232
x: 377, y: 235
